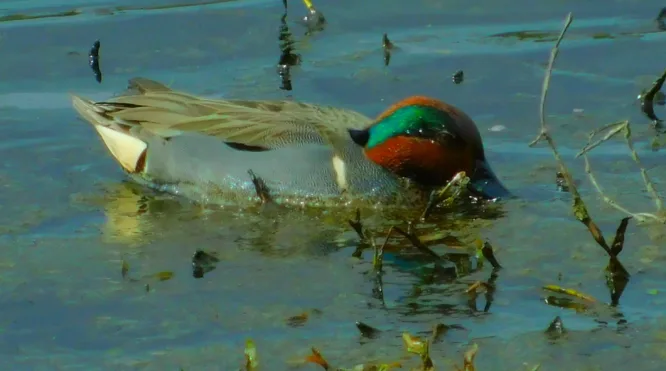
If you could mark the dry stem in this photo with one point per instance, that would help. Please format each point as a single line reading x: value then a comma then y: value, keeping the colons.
x: 579, y: 209
x: 611, y: 131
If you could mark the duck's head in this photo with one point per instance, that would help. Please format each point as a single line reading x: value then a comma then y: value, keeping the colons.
x: 429, y: 141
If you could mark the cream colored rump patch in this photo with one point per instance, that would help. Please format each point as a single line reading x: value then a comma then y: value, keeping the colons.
x: 129, y: 151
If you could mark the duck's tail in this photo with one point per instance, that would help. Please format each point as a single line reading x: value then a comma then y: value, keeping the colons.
x: 129, y: 151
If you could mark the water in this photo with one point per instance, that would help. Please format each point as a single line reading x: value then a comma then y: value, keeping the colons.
x: 69, y: 217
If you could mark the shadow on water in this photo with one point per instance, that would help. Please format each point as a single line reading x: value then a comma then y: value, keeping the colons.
x: 101, y: 273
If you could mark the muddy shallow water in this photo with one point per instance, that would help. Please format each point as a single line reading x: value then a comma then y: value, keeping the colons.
x: 68, y: 217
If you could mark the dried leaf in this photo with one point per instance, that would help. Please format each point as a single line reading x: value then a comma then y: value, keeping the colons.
x: 571, y: 292
x: 298, y: 320
x: 414, y: 344
x: 164, y: 276
x: 317, y: 358
x: 468, y: 364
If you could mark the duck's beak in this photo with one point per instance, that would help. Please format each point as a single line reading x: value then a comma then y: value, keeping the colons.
x: 485, y: 183
x: 360, y: 137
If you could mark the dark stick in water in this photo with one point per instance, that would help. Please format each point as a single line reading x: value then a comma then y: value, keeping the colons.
x: 93, y: 61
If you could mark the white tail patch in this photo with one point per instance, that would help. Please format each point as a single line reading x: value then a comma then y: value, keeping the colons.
x: 340, y: 172
x: 130, y: 152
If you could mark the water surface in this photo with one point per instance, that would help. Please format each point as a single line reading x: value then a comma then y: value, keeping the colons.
x: 69, y: 216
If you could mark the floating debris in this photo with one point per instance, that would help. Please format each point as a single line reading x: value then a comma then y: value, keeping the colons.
x: 202, y: 263
x: 561, y: 182
x: 318, y: 359
x: 367, y: 330
x: 251, y: 361
x: 456, y: 185
x: 661, y: 20
x: 387, y: 46
x: 314, y: 20
x: 93, y: 61
x: 357, y: 225
x: 260, y: 188
x: 420, y: 347
x: 487, y: 251
x: 298, y: 320
x: 647, y: 101
x: 458, y: 77
x: 163, y: 276
x: 556, y: 328
x: 570, y: 292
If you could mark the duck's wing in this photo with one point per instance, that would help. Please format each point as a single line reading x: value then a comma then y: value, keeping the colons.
x: 266, y: 124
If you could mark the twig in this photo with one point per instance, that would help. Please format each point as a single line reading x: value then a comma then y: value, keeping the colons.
x: 579, y: 209
x: 460, y: 181
x: 646, y: 179
x: 647, y: 103
x: 616, y: 128
x: 546, y: 83
x: 260, y: 187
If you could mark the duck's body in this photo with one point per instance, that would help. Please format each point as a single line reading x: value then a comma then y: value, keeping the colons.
x: 204, y: 148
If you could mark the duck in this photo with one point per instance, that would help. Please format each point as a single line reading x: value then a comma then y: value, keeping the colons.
x: 212, y: 150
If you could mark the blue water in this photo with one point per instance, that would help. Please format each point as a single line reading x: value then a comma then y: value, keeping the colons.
x: 68, y: 217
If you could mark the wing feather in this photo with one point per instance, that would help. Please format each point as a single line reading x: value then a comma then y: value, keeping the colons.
x: 158, y: 108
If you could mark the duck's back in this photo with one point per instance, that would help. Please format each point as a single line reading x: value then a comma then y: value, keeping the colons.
x: 204, y: 148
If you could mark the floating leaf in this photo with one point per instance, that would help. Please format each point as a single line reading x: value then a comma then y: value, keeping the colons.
x: 418, y: 346
x: 414, y: 344
x: 317, y: 358
x: 202, y: 263
x: 570, y: 292
x: 164, y: 276
x: 298, y: 320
